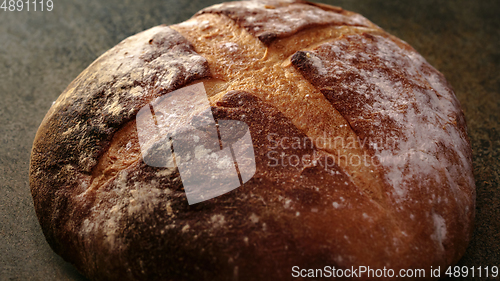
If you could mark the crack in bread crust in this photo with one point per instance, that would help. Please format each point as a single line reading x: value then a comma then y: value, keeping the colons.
x: 253, y: 67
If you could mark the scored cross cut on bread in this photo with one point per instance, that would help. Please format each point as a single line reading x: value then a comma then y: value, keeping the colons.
x: 360, y: 146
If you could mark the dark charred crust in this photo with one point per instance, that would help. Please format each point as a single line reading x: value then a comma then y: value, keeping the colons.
x: 301, y: 60
x: 267, y: 37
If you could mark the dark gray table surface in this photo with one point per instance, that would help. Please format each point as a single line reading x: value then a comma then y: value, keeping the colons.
x: 42, y: 52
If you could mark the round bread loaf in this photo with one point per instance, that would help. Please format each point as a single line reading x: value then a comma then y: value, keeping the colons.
x: 361, y: 156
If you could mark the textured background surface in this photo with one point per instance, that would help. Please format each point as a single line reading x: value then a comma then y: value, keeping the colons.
x: 42, y: 52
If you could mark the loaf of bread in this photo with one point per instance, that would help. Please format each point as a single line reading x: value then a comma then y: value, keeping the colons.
x: 360, y: 152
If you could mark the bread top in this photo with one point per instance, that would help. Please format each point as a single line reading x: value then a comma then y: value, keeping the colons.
x: 293, y: 71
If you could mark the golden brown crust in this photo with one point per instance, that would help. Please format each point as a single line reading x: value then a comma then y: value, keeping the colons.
x: 291, y: 70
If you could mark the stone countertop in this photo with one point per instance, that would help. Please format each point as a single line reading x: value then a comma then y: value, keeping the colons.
x: 42, y: 52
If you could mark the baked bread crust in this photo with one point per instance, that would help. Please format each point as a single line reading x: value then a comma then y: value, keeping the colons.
x: 289, y: 70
